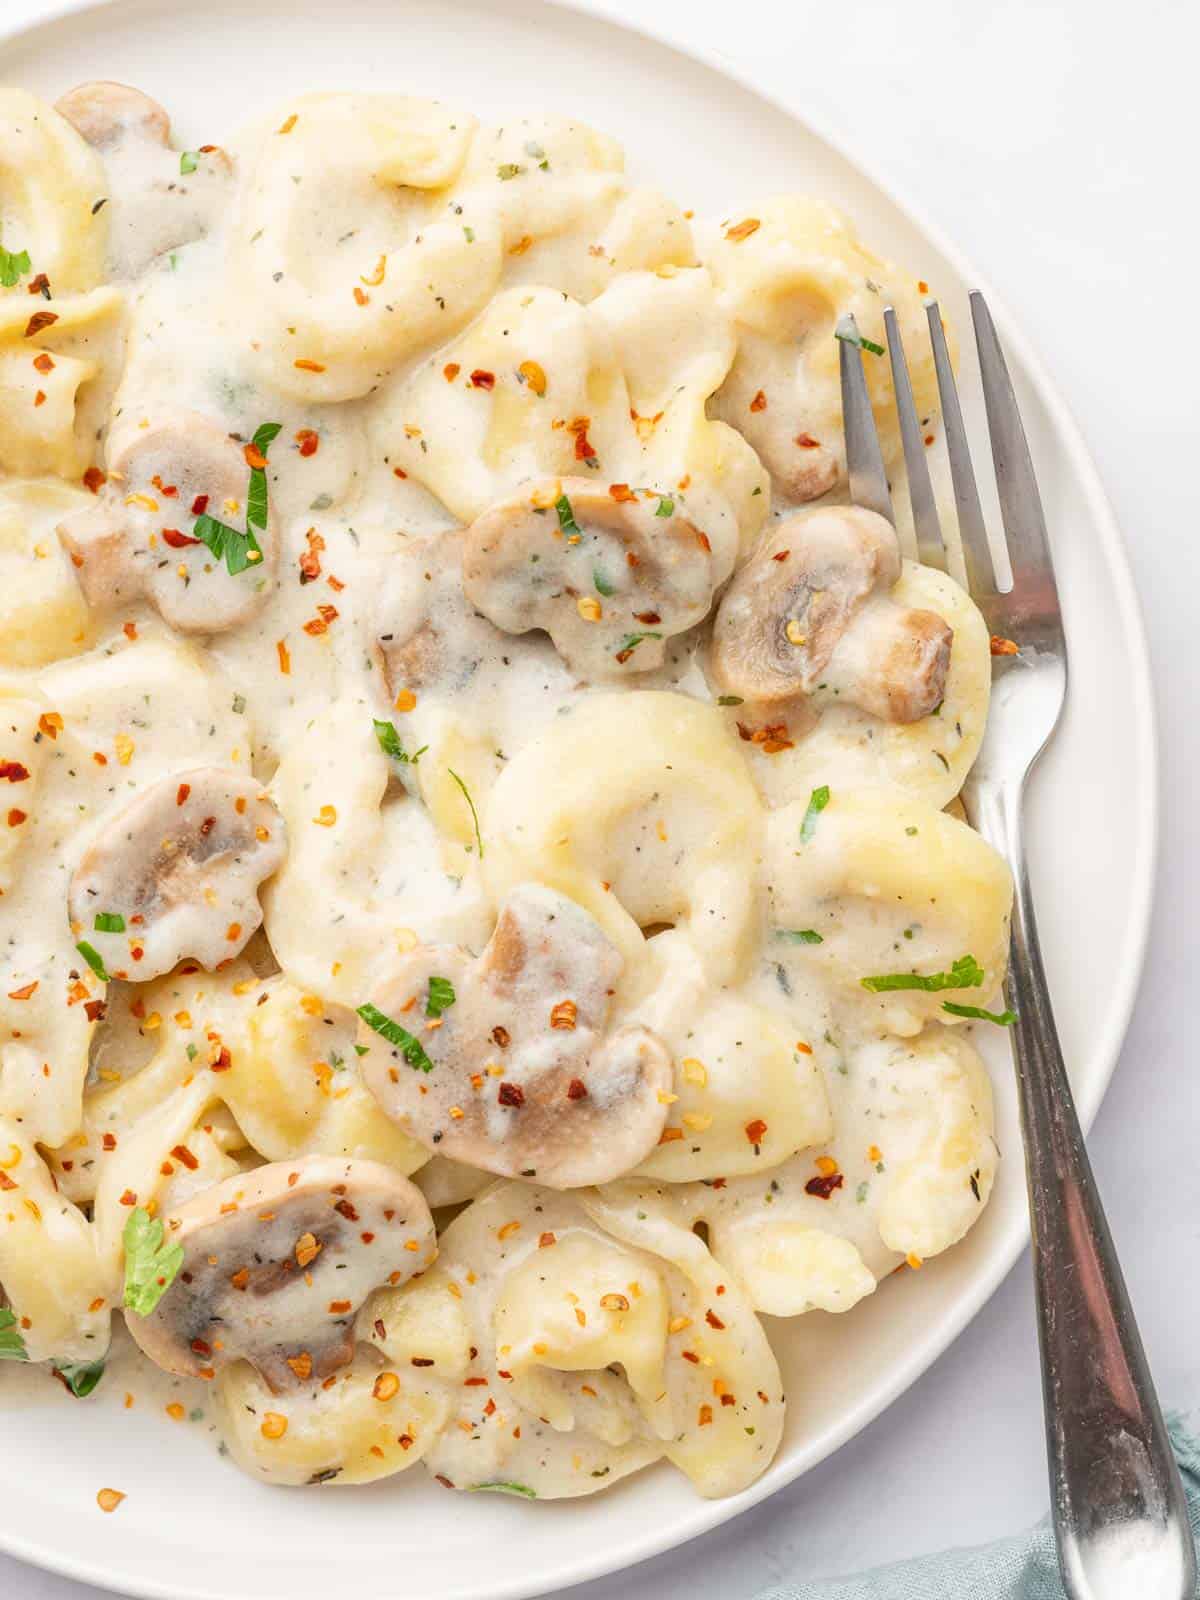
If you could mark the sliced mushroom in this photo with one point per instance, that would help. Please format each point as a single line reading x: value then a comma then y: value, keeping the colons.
x: 609, y: 573
x: 516, y: 1075
x: 175, y: 873
x: 276, y: 1263
x: 160, y: 198
x: 426, y: 632
x: 138, y: 539
x: 811, y: 612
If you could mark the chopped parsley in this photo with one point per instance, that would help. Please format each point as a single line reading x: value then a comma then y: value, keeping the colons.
x: 238, y: 550
x: 602, y: 585
x: 665, y: 507
x: 109, y: 922
x: 507, y: 170
x: 150, y: 1263
x: 817, y: 801
x: 81, y: 1377
x: 1002, y: 1019
x: 566, y: 518
x: 799, y: 936
x: 630, y: 643
x: 13, y: 265
x: 409, y: 1047
x: 441, y: 996
x: 390, y: 743
x: 12, y: 1346
x: 966, y: 973
x: 851, y: 336
x: 189, y: 160
x: 499, y: 1487
x: 93, y: 959
x: 730, y: 700
x: 474, y: 814
x: 470, y: 235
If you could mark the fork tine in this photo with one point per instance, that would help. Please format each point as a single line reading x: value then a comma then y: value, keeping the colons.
x: 1020, y: 502
x: 977, y: 553
x: 864, y: 459
x: 931, y: 548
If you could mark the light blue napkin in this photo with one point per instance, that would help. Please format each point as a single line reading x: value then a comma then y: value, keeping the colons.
x: 1021, y: 1568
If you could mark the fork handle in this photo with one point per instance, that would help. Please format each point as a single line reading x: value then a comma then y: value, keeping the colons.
x: 1120, y: 1517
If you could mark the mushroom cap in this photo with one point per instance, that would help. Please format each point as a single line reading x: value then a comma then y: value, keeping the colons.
x: 137, y: 539
x: 426, y: 631
x: 103, y: 112
x: 595, y: 577
x: 811, y: 610
x: 276, y: 1263
x: 523, y: 1081
x: 180, y: 865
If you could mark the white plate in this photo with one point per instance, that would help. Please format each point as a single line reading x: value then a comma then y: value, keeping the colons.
x: 192, y: 1527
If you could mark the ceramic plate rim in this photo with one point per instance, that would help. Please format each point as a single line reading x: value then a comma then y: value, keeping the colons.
x: 708, y: 1515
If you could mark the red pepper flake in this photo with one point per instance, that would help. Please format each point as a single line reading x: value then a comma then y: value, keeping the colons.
x: 690, y: 1355
x: 128, y: 1198
x: 182, y: 793
x: 255, y: 459
x: 337, y: 1307
x: 310, y: 560
x: 50, y: 723
x: 511, y: 1094
x: 94, y: 479
x: 183, y: 1155
x: 440, y: 1477
x: 742, y: 230
x: 823, y: 1185
x: 922, y: 286
x: 781, y: 555
x: 309, y: 441
x: 38, y: 321
x: 346, y: 1209
x: 223, y: 1062
x: 399, y: 472
x: 109, y: 1141
x: 422, y: 1361
x: 304, y: 365
x: 771, y: 739
x: 807, y: 442
x: 170, y: 490
x: 756, y: 1131
x: 43, y: 363
x: 176, y: 539
x: 451, y: 371
x: 199, y: 505
x: 6, y: 1183
x: 39, y: 285
x: 39, y: 398
x: 583, y: 445
x: 647, y: 616
x: 577, y: 1089
x: 483, y: 380
x: 13, y: 771
x: 713, y: 1319
x: 759, y: 403
x: 564, y: 1016
x: 26, y: 993
x: 474, y: 1383
x: 96, y: 1010
x: 285, y: 660
x: 545, y: 1240
x: 621, y: 493
x: 703, y: 540
x: 361, y: 297
x: 1003, y: 647
x: 16, y: 816
x: 501, y: 1036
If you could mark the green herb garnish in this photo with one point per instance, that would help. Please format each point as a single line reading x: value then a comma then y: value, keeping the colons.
x: 189, y: 160
x: 470, y: 235
x: 630, y: 643
x: 966, y: 973
x: 566, y: 518
x: 109, y: 922
x: 92, y: 957
x: 665, y: 507
x: 440, y: 998
x: 150, y: 1263
x: 851, y: 337
x: 409, y: 1047
x: 81, y: 1377
x: 1002, y: 1019
x: 474, y: 814
x: 236, y: 549
x: 817, y: 801
x: 601, y: 583
x: 13, y: 266
x: 12, y: 1346
x: 730, y: 700
x: 508, y: 169
x: 498, y: 1487
x: 390, y: 743
x: 799, y: 936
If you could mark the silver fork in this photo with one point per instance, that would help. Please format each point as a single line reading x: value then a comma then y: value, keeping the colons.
x: 1120, y: 1518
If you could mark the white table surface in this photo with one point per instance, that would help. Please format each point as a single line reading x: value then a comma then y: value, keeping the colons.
x: 1056, y: 141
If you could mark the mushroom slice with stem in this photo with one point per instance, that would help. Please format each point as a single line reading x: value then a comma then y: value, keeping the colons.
x: 810, y: 615
x: 159, y: 198
x: 173, y: 485
x: 610, y: 573
x: 276, y: 1263
x: 503, y: 1063
x: 175, y: 873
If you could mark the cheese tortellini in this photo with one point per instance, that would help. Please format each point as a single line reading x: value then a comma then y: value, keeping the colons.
x: 480, y: 924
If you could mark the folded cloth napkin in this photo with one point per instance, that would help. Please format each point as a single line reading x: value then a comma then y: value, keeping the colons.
x: 1021, y: 1568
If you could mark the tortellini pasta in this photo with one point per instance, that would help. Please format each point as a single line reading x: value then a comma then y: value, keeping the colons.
x: 379, y: 799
